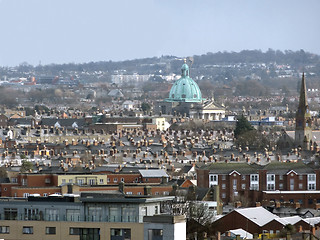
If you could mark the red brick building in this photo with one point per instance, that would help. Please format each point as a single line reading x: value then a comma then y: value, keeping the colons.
x: 275, y: 181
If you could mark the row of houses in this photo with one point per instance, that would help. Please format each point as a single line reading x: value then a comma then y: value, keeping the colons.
x: 293, y: 182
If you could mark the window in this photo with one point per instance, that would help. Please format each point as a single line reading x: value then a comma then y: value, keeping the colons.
x: 128, y: 214
x: 74, y: 231
x: 51, y: 214
x: 63, y: 181
x: 223, y: 186
x: 254, y: 177
x: 114, y: 214
x: 291, y: 184
x: 73, y: 215
x: 300, y: 185
x: 108, y: 179
x: 47, y: 180
x: 213, y: 179
x: 129, y: 193
x: 254, y: 182
x: 270, y: 186
x: 270, y: 177
x: 10, y: 213
x: 155, y: 234
x: 311, y: 177
x: 156, y: 209
x: 101, y: 181
x: 115, y: 180
x: 25, y: 195
x: 147, y: 179
x: 50, y: 230
x: 31, y: 214
x: 24, y: 182
x: 311, y: 186
x: 45, y: 194
x: 122, y: 179
x: 27, y: 230
x: 243, y: 177
x: 144, y: 211
x: 280, y: 177
x: 223, y: 195
x: 234, y: 184
x: 70, y: 180
x: 281, y: 186
x: 80, y: 181
x: 300, y: 177
x: 243, y: 186
x: 4, y: 229
x: 139, y: 193
x: 270, y: 182
x: 223, y: 177
x: 94, y: 214
x: 118, y: 233
x: 92, y: 182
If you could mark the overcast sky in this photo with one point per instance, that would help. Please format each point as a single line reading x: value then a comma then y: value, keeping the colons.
x: 64, y: 31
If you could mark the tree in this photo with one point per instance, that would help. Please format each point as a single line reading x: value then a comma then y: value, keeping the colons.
x: 242, y: 126
x: 26, y: 166
x: 3, y: 172
x: 288, y: 229
x: 145, y: 107
x: 253, y: 138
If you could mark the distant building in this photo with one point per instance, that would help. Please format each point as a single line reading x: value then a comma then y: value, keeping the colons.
x: 303, y: 133
x: 185, y: 98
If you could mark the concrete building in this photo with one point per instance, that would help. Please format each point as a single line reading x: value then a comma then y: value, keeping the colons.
x: 110, y: 216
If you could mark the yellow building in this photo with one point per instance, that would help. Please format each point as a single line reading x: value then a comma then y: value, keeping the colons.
x: 82, y: 179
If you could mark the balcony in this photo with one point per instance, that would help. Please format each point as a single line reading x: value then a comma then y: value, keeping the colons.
x: 72, y: 218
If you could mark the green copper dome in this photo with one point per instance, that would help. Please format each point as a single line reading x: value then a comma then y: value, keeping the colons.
x: 185, y: 89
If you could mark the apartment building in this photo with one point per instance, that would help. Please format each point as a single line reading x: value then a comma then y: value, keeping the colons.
x: 91, y: 215
x: 275, y: 181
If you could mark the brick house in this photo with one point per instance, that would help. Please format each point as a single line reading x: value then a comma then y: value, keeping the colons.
x: 275, y: 181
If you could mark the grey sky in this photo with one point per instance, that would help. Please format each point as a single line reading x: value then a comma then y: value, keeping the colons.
x: 63, y: 31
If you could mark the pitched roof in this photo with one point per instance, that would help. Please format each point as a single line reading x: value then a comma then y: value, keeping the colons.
x: 258, y: 215
x: 153, y: 173
x: 227, y: 168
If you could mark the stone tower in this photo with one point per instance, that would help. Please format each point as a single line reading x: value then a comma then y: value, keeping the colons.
x: 303, y: 132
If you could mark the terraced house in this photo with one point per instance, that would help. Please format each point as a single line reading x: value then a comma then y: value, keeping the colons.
x: 292, y: 182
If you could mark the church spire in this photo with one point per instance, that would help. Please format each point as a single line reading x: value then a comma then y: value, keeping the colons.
x: 303, y: 132
x: 303, y: 103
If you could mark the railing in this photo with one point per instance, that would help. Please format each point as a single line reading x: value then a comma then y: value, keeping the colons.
x: 72, y: 218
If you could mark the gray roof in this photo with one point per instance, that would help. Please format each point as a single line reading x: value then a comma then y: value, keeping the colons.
x: 258, y: 215
x: 153, y: 173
